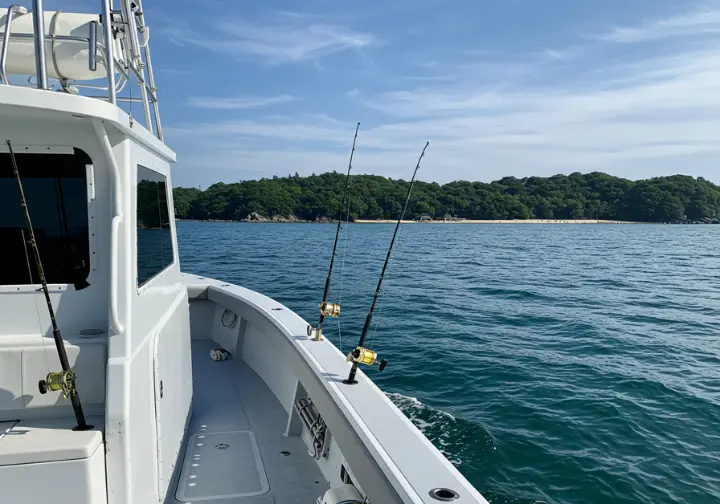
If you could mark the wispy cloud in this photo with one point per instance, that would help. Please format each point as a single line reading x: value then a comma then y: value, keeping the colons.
x: 288, y: 39
x: 693, y: 24
x: 173, y: 71
x: 238, y: 102
x: 550, y: 53
x: 627, y: 114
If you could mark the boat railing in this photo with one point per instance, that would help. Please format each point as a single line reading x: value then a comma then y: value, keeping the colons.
x: 124, y: 51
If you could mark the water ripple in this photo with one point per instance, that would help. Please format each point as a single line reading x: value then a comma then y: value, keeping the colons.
x: 551, y: 364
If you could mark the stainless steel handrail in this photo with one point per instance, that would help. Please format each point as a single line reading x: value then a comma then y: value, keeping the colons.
x: 109, y: 56
x: 6, y: 39
x: 151, y: 75
x: 67, y: 38
x: 92, y: 54
x: 39, y: 29
x: 129, y: 16
x: 122, y: 31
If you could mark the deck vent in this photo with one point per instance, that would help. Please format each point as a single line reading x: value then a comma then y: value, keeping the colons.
x: 444, y: 494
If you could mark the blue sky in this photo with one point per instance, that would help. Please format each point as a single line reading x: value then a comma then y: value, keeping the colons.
x: 498, y: 87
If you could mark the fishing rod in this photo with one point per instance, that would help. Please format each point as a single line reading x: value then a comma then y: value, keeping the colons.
x: 333, y: 309
x: 362, y: 355
x: 63, y: 381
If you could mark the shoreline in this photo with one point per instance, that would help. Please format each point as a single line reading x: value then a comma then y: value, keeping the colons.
x: 500, y: 221
x: 391, y: 221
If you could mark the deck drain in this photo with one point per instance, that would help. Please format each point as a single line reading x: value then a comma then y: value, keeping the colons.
x: 222, y: 446
x: 444, y: 494
x: 276, y: 309
x: 285, y: 453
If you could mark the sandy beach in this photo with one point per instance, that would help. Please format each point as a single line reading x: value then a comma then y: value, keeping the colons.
x: 525, y: 221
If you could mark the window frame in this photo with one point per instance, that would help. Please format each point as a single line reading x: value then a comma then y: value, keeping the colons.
x: 91, y: 216
x: 149, y: 283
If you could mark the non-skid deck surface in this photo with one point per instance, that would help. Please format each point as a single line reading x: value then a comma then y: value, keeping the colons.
x: 233, y: 455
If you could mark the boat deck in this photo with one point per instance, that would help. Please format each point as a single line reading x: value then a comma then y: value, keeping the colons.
x: 236, y: 452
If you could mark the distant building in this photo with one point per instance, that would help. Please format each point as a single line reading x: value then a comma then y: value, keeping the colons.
x: 425, y: 217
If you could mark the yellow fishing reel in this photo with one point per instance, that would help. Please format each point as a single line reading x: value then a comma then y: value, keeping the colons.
x: 365, y: 356
x: 59, y: 381
x: 329, y: 309
x: 326, y: 310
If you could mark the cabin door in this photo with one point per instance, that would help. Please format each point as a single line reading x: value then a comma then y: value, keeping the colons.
x: 173, y: 391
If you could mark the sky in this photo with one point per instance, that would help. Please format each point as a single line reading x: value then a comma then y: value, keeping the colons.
x: 498, y: 87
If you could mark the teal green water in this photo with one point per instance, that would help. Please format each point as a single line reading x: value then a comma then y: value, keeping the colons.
x: 559, y: 364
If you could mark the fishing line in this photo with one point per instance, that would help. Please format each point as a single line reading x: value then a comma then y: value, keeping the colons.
x: 333, y: 309
x: 37, y: 310
x: 361, y: 355
x: 381, y: 304
x: 342, y: 265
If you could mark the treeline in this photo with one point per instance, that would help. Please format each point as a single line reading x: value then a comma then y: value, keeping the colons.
x: 576, y: 196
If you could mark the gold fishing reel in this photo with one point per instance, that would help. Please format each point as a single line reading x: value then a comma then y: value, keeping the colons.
x: 59, y: 381
x: 326, y: 310
x: 365, y: 356
x: 329, y: 309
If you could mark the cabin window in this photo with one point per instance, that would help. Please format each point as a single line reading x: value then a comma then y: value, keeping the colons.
x: 55, y: 187
x: 154, y: 240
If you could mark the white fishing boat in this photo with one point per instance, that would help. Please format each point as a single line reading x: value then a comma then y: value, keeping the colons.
x: 176, y: 388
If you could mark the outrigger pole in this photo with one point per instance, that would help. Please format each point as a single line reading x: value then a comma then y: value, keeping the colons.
x: 363, y: 355
x: 63, y: 381
x: 333, y: 309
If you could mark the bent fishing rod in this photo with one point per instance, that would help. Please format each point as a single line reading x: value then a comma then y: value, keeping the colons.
x: 362, y: 355
x: 63, y: 381
x: 333, y: 309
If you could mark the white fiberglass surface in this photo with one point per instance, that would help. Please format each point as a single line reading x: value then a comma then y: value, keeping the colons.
x: 243, y: 457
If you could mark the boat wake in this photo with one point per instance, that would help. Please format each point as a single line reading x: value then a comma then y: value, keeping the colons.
x: 461, y: 441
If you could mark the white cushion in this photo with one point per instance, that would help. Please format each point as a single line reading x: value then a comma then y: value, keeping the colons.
x: 11, y: 396
x: 87, y: 361
x: 49, y: 440
x: 21, y: 368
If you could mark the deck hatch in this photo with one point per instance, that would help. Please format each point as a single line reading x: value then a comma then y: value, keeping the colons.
x: 220, y: 466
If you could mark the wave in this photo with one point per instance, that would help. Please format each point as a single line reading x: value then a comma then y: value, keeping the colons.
x: 461, y: 441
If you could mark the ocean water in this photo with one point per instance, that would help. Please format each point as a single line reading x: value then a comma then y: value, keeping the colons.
x: 550, y: 363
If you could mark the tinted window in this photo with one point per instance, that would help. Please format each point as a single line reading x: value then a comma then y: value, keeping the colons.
x: 55, y: 188
x: 154, y: 242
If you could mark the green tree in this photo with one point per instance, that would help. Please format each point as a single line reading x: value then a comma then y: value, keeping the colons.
x: 593, y: 195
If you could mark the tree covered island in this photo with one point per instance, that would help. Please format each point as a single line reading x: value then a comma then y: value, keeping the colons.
x: 677, y: 198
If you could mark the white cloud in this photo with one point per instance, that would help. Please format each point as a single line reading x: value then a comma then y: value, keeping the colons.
x: 173, y: 71
x: 550, y: 53
x: 289, y: 39
x: 637, y: 118
x: 688, y: 24
x: 238, y: 102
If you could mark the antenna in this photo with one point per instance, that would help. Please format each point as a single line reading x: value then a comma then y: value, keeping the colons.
x: 333, y: 309
x: 363, y: 355
x: 64, y: 380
